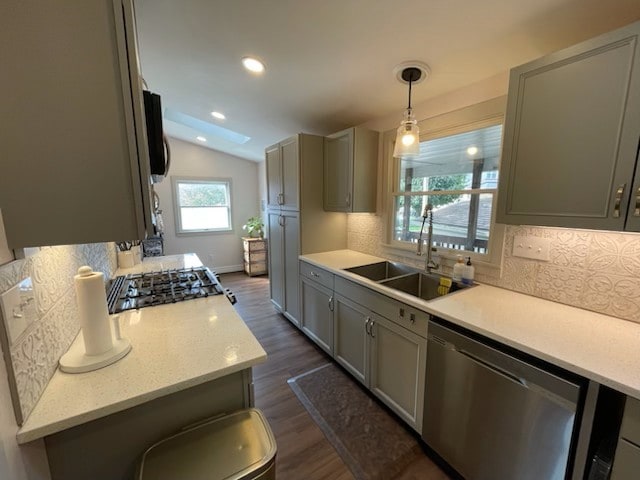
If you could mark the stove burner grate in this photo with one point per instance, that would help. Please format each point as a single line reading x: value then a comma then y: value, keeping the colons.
x: 140, y: 290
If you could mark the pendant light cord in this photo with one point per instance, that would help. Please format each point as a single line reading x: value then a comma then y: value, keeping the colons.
x: 410, y: 79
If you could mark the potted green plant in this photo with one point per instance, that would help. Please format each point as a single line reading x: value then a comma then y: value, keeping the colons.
x: 254, y: 227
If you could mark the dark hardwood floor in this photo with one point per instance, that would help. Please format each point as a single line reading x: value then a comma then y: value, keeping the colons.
x: 304, y: 453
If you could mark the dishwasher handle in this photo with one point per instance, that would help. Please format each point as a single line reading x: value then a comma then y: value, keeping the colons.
x: 563, y: 390
x: 494, y: 368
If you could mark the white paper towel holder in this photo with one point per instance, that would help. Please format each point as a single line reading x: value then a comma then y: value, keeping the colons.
x: 77, y: 361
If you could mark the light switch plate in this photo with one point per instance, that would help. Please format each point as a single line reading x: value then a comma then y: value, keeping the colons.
x: 18, y: 309
x: 535, y: 248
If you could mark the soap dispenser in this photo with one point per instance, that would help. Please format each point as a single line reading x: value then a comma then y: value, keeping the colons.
x: 458, y: 268
x: 468, y: 272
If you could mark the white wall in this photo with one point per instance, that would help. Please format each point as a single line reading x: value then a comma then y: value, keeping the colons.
x: 220, y: 251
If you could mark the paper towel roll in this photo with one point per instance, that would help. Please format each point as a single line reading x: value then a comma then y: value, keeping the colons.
x: 94, y: 314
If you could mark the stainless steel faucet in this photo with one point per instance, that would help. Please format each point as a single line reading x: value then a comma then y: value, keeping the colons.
x: 427, y: 213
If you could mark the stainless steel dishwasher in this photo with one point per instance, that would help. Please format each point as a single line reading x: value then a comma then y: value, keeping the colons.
x: 492, y: 416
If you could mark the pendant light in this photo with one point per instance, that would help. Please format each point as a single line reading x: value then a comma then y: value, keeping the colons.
x: 408, y: 136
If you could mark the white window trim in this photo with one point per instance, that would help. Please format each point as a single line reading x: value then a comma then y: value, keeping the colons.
x: 177, y: 206
x: 474, y: 117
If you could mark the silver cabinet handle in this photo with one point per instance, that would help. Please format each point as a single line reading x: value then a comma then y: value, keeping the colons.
x: 401, y: 312
x: 412, y: 317
x: 331, y: 303
x: 280, y: 199
x: 366, y: 325
x: 348, y: 199
x: 314, y: 274
x: 636, y: 212
x: 616, y: 207
x: 281, y: 220
x: 373, y: 323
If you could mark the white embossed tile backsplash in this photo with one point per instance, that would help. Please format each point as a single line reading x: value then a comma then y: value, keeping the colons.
x: 34, y: 356
x: 589, y: 269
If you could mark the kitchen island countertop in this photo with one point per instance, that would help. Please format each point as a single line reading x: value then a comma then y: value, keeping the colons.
x: 599, y: 347
x: 175, y: 347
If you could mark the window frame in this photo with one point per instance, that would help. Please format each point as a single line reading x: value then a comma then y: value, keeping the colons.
x: 177, y: 208
x: 485, y: 114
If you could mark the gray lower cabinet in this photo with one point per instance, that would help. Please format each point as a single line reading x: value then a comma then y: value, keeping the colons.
x: 571, y: 137
x: 351, y: 337
x: 111, y: 446
x: 398, y: 359
x: 284, y: 240
x: 317, y: 313
x: 626, y: 463
x: 387, y: 358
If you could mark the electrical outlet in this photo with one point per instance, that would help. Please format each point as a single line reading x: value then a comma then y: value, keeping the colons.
x: 535, y: 248
x: 18, y: 308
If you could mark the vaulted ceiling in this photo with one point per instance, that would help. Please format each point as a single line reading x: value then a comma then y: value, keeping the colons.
x: 330, y: 62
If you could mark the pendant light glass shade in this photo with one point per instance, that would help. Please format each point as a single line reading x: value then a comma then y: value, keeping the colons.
x: 408, y: 137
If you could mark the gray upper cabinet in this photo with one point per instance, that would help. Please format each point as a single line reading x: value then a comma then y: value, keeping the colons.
x: 274, y: 175
x: 350, y: 170
x: 73, y: 139
x: 283, y: 185
x: 571, y: 137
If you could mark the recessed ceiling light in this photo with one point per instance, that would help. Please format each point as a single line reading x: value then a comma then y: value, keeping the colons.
x: 253, y: 64
x: 218, y: 115
x: 201, y: 138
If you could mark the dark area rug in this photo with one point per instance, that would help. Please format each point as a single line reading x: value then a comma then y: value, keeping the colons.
x: 369, y: 439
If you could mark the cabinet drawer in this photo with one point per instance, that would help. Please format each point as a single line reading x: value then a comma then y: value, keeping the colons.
x: 626, y: 463
x: 317, y: 274
x: 631, y: 421
x: 255, y: 256
x: 254, y: 245
x: 408, y: 317
x: 259, y: 268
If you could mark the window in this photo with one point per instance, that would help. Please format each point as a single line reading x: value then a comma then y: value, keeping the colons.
x: 202, y: 204
x: 457, y: 174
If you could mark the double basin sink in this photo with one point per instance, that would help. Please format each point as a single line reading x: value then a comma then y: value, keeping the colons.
x: 397, y: 276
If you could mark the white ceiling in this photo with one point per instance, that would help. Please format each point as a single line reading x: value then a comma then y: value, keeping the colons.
x: 330, y: 62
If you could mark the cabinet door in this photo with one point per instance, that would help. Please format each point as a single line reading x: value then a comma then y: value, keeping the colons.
x: 397, y: 368
x: 626, y: 463
x: 338, y: 171
x: 276, y: 259
x: 74, y: 158
x: 291, y: 225
x: 571, y: 135
x: 317, y: 313
x: 350, y: 337
x: 289, y: 153
x: 633, y: 217
x: 274, y: 175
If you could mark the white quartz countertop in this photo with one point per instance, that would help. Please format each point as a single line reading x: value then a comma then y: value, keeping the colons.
x: 175, y: 347
x: 599, y: 347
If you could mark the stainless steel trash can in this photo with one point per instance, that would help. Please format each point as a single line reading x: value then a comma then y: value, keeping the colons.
x: 238, y: 446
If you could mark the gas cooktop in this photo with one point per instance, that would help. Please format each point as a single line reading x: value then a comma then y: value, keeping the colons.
x: 140, y: 290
